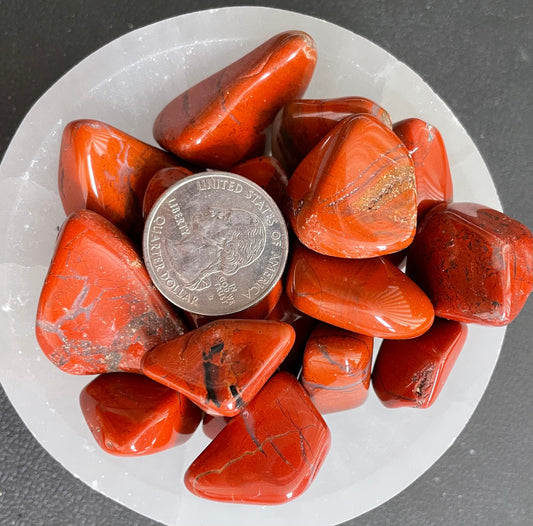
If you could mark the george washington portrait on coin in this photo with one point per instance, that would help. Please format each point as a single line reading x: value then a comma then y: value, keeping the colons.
x: 220, y: 241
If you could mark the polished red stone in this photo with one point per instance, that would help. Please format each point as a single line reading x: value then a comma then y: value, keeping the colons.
x: 221, y: 120
x: 475, y: 263
x: 99, y: 311
x: 266, y: 172
x: 162, y: 180
x: 354, y: 195
x: 106, y: 170
x: 412, y: 373
x: 130, y: 415
x: 302, y: 324
x: 222, y: 365
x: 432, y: 170
x: 259, y: 311
x: 269, y: 454
x: 336, y: 368
x: 367, y: 296
x: 301, y: 124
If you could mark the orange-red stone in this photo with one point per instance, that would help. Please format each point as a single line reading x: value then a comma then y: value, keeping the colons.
x: 266, y: 172
x: 259, y: 311
x: 269, y: 454
x: 221, y: 121
x: 130, y: 415
x: 336, y: 368
x: 353, y: 195
x: 162, y: 180
x: 222, y: 365
x: 301, y: 124
x: 475, y: 263
x: 367, y: 296
x: 412, y: 373
x: 106, y: 170
x: 99, y: 311
x: 432, y: 170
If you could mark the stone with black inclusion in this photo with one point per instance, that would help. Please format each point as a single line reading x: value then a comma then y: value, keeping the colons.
x: 222, y: 365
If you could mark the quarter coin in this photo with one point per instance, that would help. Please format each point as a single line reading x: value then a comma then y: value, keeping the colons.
x: 215, y: 243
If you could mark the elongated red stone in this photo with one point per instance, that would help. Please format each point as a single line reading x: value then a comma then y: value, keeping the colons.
x: 161, y: 181
x: 99, y: 311
x: 412, y: 373
x: 301, y: 124
x: 222, y: 365
x: 130, y: 415
x: 336, y: 368
x: 106, y: 170
x: 432, y: 170
x: 353, y: 195
x: 259, y: 311
x: 302, y: 324
x: 221, y: 121
x: 269, y: 454
x: 269, y: 175
x: 475, y: 263
x: 367, y: 296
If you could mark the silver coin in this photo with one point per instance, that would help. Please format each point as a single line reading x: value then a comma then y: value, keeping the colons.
x: 215, y: 243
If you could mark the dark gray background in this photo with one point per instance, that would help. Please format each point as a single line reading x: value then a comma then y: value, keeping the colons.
x: 478, y: 56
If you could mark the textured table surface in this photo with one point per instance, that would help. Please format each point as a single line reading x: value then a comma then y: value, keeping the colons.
x: 478, y: 56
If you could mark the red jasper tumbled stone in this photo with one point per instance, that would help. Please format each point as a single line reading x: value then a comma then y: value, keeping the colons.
x: 106, y: 170
x: 336, y: 368
x: 222, y: 365
x: 475, y: 263
x: 130, y: 415
x: 269, y: 454
x: 301, y: 124
x: 367, y: 296
x: 412, y: 373
x: 221, y: 120
x: 353, y: 195
x: 99, y: 311
x: 432, y: 170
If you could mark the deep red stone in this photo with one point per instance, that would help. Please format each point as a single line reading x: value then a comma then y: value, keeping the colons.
x: 302, y: 324
x: 99, y: 311
x: 221, y: 120
x: 130, y: 415
x: 162, y: 180
x: 412, y: 373
x: 367, y: 296
x: 432, y: 170
x: 475, y: 263
x: 269, y: 454
x: 222, y: 365
x: 266, y: 172
x: 106, y: 170
x: 259, y: 311
x: 353, y: 195
x: 336, y: 368
x: 301, y: 124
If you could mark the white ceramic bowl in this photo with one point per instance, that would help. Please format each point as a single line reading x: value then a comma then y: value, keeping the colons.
x: 375, y: 452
